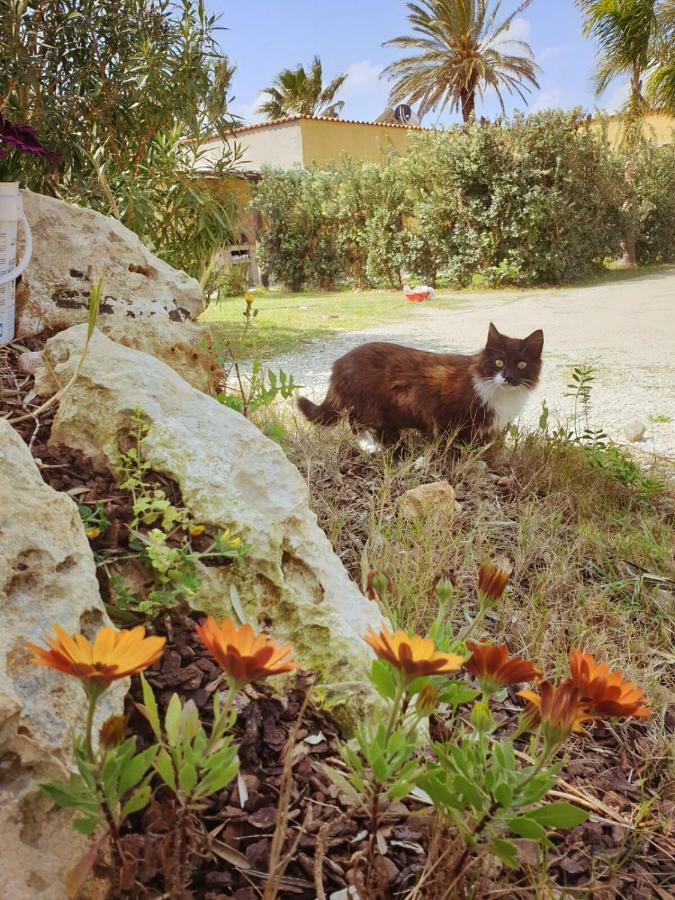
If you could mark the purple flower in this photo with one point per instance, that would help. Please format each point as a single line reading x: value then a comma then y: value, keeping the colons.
x: 25, y: 139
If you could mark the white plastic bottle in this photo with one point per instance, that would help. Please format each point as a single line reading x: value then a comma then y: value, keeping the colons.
x: 11, y: 213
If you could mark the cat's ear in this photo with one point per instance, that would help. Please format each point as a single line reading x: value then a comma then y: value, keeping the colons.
x: 494, y: 338
x: 533, y: 344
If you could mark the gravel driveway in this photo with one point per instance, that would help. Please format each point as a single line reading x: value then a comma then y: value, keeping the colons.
x: 627, y: 329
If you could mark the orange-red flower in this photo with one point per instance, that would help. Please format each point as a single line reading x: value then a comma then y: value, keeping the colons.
x: 492, y: 582
x: 112, y: 655
x: 493, y: 667
x: 413, y: 656
x: 560, y: 709
x: 244, y: 656
x: 604, y: 690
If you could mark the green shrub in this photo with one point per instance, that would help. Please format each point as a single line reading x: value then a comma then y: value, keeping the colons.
x: 136, y: 81
x: 656, y: 199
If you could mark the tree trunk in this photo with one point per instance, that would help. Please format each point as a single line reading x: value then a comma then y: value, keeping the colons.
x: 468, y: 101
x: 629, y: 258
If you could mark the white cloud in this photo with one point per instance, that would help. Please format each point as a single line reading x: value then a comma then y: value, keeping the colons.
x: 363, y: 78
x: 247, y: 111
x: 548, y: 99
x: 520, y: 29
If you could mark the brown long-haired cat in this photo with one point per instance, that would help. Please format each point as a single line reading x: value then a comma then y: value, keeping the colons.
x: 386, y: 388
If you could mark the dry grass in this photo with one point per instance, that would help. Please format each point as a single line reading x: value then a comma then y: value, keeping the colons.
x: 593, y: 566
x: 593, y: 559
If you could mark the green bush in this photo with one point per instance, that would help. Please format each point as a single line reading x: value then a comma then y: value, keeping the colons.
x: 119, y: 89
x: 299, y: 242
x: 532, y: 201
x: 540, y: 199
x: 656, y: 200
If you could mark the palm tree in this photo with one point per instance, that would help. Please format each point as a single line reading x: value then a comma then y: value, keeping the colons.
x: 625, y: 31
x: 461, y: 51
x: 298, y: 93
x: 660, y: 89
x: 630, y: 37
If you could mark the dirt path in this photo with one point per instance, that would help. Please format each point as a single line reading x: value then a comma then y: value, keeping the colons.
x: 626, y: 329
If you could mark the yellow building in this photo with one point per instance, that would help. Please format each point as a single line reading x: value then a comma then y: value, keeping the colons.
x: 312, y: 141
x: 656, y: 128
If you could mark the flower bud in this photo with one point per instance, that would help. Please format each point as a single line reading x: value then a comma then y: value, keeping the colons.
x: 427, y: 700
x: 112, y: 732
x: 481, y: 717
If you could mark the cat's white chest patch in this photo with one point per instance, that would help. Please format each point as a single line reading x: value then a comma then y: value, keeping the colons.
x: 506, y: 402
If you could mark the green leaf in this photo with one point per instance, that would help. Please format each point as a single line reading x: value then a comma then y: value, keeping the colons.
x: 216, y: 780
x: 506, y: 851
x: 342, y: 782
x: 503, y: 794
x: 527, y: 828
x: 88, y: 825
x: 383, y: 679
x: 172, y: 720
x: 138, y: 800
x: 558, y: 815
x: 164, y: 768
x: 187, y: 778
x: 471, y: 793
x: 149, y: 708
x: 135, y: 769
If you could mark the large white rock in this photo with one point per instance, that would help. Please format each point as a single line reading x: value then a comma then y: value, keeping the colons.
x: 47, y: 575
x: 72, y: 248
x: 230, y: 476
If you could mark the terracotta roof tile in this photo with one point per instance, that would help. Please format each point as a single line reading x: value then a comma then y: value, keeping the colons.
x: 258, y: 125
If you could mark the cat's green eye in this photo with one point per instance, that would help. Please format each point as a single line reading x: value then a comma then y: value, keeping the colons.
x: 522, y: 364
x: 499, y: 363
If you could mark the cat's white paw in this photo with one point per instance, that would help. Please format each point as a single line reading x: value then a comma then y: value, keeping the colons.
x: 368, y: 443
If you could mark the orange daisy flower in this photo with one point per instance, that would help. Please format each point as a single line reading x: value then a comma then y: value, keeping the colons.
x: 560, y: 709
x: 413, y: 656
x: 492, y: 666
x: 492, y: 582
x: 604, y: 690
x: 112, y: 655
x: 244, y: 656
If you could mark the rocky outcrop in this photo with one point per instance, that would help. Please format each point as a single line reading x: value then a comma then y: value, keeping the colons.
x: 47, y: 575
x: 230, y: 476
x: 186, y: 347
x: 72, y: 248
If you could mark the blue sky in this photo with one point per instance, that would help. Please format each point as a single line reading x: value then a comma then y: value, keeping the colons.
x: 265, y: 36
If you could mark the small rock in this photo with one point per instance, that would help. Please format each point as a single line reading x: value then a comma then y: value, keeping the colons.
x: 634, y: 431
x: 30, y: 361
x: 437, y: 498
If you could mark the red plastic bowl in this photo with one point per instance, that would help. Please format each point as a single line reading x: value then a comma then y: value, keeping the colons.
x: 417, y: 296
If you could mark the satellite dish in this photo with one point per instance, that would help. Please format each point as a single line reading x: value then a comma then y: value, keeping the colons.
x: 403, y: 113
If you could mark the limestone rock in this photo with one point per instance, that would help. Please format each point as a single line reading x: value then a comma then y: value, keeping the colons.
x: 185, y: 346
x: 634, y: 431
x: 436, y: 499
x: 30, y: 361
x: 47, y: 575
x: 72, y: 248
x: 230, y: 476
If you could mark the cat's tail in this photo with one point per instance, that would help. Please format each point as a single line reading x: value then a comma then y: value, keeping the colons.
x: 323, y: 414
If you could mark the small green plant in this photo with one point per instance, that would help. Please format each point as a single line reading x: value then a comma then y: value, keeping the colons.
x: 482, y: 793
x: 162, y: 536
x: 594, y: 442
x: 112, y: 781
x: 94, y: 520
